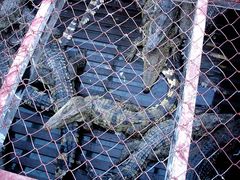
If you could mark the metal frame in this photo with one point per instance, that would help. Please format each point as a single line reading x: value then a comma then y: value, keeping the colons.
x: 9, y: 100
x: 178, y: 160
x: 9, y: 175
x: 179, y: 151
x: 230, y: 4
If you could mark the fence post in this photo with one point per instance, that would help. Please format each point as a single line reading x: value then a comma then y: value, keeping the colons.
x: 9, y: 100
x: 10, y: 176
x: 178, y: 157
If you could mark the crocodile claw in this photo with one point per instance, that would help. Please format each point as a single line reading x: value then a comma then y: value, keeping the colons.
x: 131, y: 54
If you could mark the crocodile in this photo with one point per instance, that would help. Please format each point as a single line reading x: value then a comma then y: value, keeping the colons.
x: 166, y: 28
x: 34, y: 97
x: 98, y: 110
x: 80, y: 22
x: 158, y: 44
x: 115, y: 116
x: 110, y: 114
x: 156, y: 144
x: 159, y: 39
x: 208, y: 153
x: 187, y: 12
x: 37, y: 99
x: 61, y: 89
x: 57, y: 78
x: 57, y: 73
x: 10, y: 12
x: 53, y: 71
x: 6, y: 60
x: 51, y: 68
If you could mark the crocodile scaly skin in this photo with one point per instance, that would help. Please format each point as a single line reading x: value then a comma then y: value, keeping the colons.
x: 156, y: 144
x: 110, y: 114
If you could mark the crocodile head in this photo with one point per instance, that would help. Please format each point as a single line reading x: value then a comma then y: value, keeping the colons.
x: 160, y: 30
x: 68, y: 113
x: 154, y: 61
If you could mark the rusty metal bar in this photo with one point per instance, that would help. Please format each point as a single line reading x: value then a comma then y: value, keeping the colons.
x: 179, y: 153
x: 19, y: 65
x: 11, y: 176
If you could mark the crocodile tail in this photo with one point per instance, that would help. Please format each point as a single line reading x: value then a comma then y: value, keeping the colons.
x: 75, y: 23
x: 156, y: 136
x: 68, y: 33
x: 90, y: 11
x: 157, y: 112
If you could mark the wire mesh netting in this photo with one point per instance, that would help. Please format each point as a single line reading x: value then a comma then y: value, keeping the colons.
x: 101, y: 92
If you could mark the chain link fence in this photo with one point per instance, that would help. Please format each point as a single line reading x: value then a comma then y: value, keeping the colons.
x: 100, y: 89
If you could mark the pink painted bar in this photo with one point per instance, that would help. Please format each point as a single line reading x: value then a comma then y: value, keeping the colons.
x: 6, y: 175
x: 178, y: 160
x: 16, y: 71
x: 230, y: 4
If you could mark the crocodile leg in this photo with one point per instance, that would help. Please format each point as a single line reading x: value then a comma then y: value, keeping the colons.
x: 131, y: 53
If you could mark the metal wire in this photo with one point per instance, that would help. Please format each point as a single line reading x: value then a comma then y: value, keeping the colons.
x: 101, y: 93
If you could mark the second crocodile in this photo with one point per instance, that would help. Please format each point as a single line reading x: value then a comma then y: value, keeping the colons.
x: 110, y: 114
x: 156, y: 143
